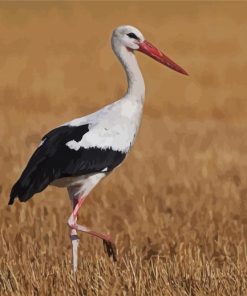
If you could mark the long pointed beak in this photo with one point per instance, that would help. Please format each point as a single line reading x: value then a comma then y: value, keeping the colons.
x: 147, y: 48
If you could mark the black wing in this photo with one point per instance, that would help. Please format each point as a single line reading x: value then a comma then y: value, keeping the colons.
x: 54, y: 160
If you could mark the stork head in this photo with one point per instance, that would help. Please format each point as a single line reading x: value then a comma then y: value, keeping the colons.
x: 128, y: 36
x: 132, y: 39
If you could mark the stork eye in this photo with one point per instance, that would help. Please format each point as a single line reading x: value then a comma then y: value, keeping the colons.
x: 132, y: 35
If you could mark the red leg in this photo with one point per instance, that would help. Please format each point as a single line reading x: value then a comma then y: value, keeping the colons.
x: 109, y: 245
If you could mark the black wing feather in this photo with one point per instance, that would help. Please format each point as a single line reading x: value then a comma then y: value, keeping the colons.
x: 54, y: 160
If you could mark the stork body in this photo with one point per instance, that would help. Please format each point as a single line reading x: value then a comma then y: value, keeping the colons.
x: 80, y: 153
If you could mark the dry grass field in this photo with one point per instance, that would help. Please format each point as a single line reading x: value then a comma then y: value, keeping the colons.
x: 177, y: 207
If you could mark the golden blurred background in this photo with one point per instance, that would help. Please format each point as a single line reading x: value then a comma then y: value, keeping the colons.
x: 180, y: 197
x: 59, y: 55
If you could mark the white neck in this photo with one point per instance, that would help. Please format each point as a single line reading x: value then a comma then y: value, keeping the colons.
x: 136, y: 86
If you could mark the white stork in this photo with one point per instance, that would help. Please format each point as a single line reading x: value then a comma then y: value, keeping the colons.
x: 80, y: 153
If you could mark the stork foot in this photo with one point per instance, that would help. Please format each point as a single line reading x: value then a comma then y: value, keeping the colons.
x: 109, y: 246
x: 110, y: 249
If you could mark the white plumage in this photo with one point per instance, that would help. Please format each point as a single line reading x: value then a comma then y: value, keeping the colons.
x: 114, y: 127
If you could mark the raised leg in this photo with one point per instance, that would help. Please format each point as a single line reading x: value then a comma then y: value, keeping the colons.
x: 108, y: 243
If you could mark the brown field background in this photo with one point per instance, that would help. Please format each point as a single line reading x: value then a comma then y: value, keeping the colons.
x: 177, y: 207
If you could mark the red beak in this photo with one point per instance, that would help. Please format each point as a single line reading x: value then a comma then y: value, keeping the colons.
x: 156, y: 54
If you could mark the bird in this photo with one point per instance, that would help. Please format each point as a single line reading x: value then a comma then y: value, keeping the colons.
x: 78, y: 154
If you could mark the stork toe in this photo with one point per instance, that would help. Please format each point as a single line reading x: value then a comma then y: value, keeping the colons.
x: 110, y: 249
